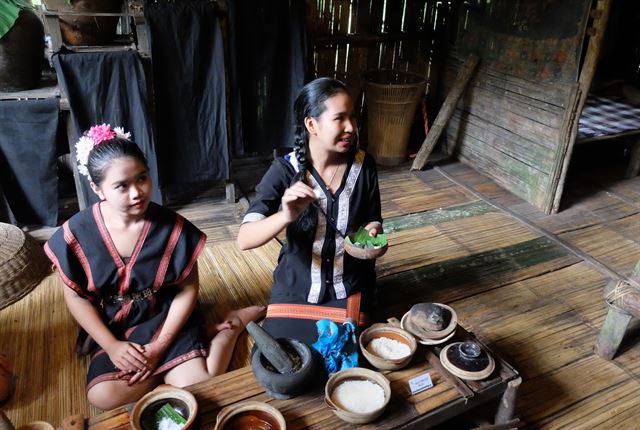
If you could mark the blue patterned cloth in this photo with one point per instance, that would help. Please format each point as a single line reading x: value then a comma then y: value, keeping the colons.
x: 337, y: 345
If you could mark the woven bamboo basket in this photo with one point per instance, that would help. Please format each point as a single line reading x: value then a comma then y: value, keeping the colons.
x: 392, y: 97
x: 23, y: 264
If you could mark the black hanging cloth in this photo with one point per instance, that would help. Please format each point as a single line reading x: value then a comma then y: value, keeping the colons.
x: 28, y: 175
x: 109, y: 87
x: 268, y: 63
x: 189, y: 89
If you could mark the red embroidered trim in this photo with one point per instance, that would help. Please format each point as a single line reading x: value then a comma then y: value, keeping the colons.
x: 168, y: 252
x: 73, y: 243
x: 181, y: 359
x: 67, y: 281
x: 187, y: 271
x: 315, y: 312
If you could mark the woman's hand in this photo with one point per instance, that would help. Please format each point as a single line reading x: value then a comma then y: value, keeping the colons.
x: 153, y: 353
x: 127, y: 356
x: 295, y: 200
x: 374, y: 228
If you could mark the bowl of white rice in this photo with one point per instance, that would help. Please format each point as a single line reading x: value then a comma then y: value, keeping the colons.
x: 387, y: 347
x: 357, y: 395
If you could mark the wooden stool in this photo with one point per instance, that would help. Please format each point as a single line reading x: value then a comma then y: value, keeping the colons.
x: 623, y: 299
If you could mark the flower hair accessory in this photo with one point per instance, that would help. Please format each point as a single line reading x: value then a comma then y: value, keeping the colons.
x: 92, y: 137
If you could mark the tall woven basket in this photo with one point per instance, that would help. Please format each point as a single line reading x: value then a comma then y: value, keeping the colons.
x: 23, y: 264
x: 392, y: 97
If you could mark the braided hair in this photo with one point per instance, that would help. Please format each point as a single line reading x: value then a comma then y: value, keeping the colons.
x: 310, y: 103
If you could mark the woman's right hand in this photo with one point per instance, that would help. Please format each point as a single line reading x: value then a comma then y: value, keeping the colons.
x: 127, y: 356
x: 295, y: 200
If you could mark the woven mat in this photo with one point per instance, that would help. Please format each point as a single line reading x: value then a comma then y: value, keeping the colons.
x: 38, y: 333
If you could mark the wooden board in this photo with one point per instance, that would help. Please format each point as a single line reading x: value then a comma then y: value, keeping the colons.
x: 512, y: 130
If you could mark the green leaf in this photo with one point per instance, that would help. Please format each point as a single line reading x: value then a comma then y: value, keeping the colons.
x: 167, y: 411
x: 362, y: 239
x: 9, y: 11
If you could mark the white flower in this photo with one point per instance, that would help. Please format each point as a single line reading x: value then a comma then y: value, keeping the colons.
x: 82, y: 169
x: 83, y: 146
x: 121, y: 134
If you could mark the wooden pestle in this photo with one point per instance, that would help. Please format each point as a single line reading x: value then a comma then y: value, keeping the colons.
x: 270, y: 348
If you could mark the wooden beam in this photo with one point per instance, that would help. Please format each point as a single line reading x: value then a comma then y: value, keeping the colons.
x: 445, y: 113
x: 601, y: 17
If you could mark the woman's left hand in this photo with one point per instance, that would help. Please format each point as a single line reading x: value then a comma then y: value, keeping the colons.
x: 153, y: 352
x: 374, y: 228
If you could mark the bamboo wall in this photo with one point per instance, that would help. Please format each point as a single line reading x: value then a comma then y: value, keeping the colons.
x: 514, y: 122
x: 349, y: 37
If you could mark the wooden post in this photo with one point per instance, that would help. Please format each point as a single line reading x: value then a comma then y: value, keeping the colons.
x: 445, y: 112
x: 612, y: 332
x: 507, y: 405
x: 600, y: 19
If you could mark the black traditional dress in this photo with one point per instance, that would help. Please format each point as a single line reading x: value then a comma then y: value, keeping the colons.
x: 315, y: 279
x: 132, y: 296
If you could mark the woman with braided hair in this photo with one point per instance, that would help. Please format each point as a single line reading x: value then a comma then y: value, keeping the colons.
x: 326, y: 173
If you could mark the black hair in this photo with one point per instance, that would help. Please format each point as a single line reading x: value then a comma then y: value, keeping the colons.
x: 310, y: 103
x: 102, y: 155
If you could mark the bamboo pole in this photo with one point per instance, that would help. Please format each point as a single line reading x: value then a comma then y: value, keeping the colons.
x: 445, y: 112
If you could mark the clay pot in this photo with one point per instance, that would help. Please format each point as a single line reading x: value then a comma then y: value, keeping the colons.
x: 87, y: 30
x: 22, y: 54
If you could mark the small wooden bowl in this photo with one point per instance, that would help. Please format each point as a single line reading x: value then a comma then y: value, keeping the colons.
x: 182, y: 400
x: 356, y: 374
x: 388, y: 331
x: 363, y: 253
x: 255, y: 413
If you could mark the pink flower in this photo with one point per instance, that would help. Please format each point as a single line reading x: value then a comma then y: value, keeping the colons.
x: 100, y: 133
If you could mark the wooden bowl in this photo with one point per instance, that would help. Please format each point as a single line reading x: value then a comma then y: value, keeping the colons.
x: 363, y: 253
x: 388, y: 331
x: 181, y: 400
x: 356, y: 374
x: 250, y: 414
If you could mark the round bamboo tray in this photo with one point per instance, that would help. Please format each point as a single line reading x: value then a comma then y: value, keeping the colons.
x: 23, y: 264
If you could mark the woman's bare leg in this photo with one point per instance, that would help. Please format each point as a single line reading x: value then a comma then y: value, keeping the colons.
x: 222, y: 345
x: 111, y: 394
x: 220, y: 349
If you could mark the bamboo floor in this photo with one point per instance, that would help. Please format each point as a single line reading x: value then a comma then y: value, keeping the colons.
x: 528, y: 284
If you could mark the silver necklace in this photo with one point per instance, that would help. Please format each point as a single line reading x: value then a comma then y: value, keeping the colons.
x: 328, y: 185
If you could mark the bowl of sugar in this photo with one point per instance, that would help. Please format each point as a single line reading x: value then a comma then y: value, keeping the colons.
x: 387, y: 347
x: 357, y: 395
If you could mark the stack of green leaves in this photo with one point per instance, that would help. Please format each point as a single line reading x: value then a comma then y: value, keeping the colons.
x: 362, y: 239
x: 167, y: 412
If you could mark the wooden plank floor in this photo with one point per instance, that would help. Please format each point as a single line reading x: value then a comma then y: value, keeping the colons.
x: 526, y: 283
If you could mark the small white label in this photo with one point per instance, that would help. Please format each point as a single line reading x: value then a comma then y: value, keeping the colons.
x: 420, y: 383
